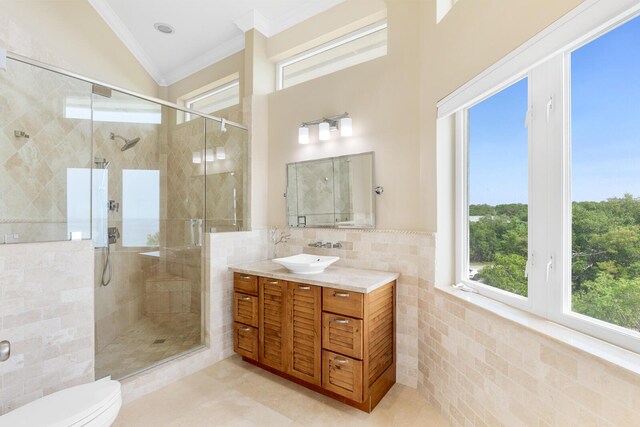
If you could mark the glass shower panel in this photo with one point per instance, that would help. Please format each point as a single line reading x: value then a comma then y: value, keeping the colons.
x: 226, y: 159
x: 148, y: 278
x: 42, y: 149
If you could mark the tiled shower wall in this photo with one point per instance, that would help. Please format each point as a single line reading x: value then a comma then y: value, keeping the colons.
x: 46, y: 312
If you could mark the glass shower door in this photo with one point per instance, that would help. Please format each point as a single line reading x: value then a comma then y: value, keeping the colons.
x: 148, y: 275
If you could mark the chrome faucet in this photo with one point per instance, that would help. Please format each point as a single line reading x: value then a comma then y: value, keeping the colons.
x: 317, y: 244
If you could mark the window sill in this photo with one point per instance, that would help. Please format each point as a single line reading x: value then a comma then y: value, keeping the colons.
x: 595, y: 347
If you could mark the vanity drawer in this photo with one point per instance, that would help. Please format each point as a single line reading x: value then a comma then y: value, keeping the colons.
x: 245, y: 341
x: 342, y: 334
x: 347, y: 303
x: 245, y: 309
x: 246, y: 283
x: 342, y: 375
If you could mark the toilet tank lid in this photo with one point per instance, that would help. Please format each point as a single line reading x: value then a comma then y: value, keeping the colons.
x: 66, y: 407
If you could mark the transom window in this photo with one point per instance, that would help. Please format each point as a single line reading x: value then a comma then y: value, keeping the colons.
x: 216, y: 99
x: 360, y: 46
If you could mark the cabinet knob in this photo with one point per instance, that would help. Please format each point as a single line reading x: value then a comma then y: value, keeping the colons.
x: 341, y: 321
x: 340, y: 360
x: 245, y: 298
x: 275, y: 282
x: 244, y: 277
x: 341, y: 294
x: 304, y: 288
x: 245, y: 328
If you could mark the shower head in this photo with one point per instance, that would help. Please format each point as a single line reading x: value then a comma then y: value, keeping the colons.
x: 128, y: 143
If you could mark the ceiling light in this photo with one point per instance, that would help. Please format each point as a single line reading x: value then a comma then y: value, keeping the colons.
x: 164, y: 28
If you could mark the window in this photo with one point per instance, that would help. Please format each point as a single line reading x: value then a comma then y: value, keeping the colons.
x: 363, y: 45
x: 140, y: 208
x: 216, y: 99
x: 548, y: 203
x: 498, y: 190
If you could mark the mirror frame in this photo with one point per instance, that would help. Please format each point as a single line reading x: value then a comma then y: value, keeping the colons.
x: 373, y: 182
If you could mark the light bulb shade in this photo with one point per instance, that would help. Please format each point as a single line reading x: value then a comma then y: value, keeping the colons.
x: 209, y: 157
x: 196, y: 157
x: 346, y: 127
x: 324, y: 131
x: 220, y: 154
x: 303, y: 135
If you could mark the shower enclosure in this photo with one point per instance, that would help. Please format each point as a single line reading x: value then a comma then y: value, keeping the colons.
x: 79, y: 159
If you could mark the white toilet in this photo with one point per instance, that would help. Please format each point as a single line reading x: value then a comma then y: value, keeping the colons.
x: 93, y: 405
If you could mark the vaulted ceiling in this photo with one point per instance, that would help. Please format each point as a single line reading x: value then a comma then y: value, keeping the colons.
x: 205, y: 30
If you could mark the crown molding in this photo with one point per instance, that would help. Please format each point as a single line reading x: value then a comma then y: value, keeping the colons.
x: 253, y: 20
x: 117, y: 26
x: 210, y: 57
x: 300, y: 14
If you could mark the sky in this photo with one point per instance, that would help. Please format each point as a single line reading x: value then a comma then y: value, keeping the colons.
x: 605, y: 133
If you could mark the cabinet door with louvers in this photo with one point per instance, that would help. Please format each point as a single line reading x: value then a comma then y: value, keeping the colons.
x: 273, y: 323
x: 305, y: 305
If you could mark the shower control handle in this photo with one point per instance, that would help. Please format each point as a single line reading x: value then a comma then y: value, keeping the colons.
x: 5, y: 350
x: 113, y: 234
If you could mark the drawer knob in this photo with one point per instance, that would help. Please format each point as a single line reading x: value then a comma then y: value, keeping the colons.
x: 245, y: 328
x: 341, y: 321
x: 245, y: 298
x: 272, y: 282
x: 304, y: 288
x: 340, y: 360
x: 245, y: 277
x: 341, y: 294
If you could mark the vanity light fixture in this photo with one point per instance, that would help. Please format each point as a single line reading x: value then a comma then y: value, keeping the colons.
x: 326, y: 125
x: 303, y: 134
x: 324, y: 131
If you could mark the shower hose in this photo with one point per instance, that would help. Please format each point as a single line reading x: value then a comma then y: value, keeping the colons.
x: 106, y: 270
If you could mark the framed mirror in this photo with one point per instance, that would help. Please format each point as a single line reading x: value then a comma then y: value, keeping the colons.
x: 335, y: 192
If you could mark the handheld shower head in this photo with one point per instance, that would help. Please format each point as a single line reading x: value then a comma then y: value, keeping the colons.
x: 128, y: 143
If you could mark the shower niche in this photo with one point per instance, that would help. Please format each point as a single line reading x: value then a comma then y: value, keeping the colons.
x: 92, y: 162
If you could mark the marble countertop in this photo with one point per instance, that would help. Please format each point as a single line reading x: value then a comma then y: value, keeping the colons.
x: 347, y: 279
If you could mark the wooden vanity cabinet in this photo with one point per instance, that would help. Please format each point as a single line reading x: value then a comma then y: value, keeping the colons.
x: 245, y: 314
x: 305, y: 310
x: 336, y: 342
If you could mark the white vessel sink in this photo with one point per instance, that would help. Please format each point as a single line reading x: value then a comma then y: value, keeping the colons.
x: 306, y: 264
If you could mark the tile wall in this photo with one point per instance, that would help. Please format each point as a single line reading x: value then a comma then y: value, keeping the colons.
x: 46, y: 312
x: 480, y: 369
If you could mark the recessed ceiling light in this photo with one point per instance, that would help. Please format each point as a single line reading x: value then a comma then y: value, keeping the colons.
x: 164, y: 28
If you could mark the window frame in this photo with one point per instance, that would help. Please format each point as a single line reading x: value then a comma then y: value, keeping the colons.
x: 355, y: 35
x: 550, y: 175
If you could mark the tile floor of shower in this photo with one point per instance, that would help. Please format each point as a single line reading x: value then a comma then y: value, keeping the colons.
x: 146, y: 343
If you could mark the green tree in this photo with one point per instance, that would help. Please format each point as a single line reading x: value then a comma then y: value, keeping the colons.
x: 506, y: 273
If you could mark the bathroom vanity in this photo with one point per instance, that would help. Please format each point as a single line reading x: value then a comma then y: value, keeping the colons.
x: 333, y: 332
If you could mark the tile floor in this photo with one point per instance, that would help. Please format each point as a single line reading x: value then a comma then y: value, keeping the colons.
x: 138, y: 348
x: 234, y: 393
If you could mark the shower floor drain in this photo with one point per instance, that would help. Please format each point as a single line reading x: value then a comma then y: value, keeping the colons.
x: 160, y: 341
